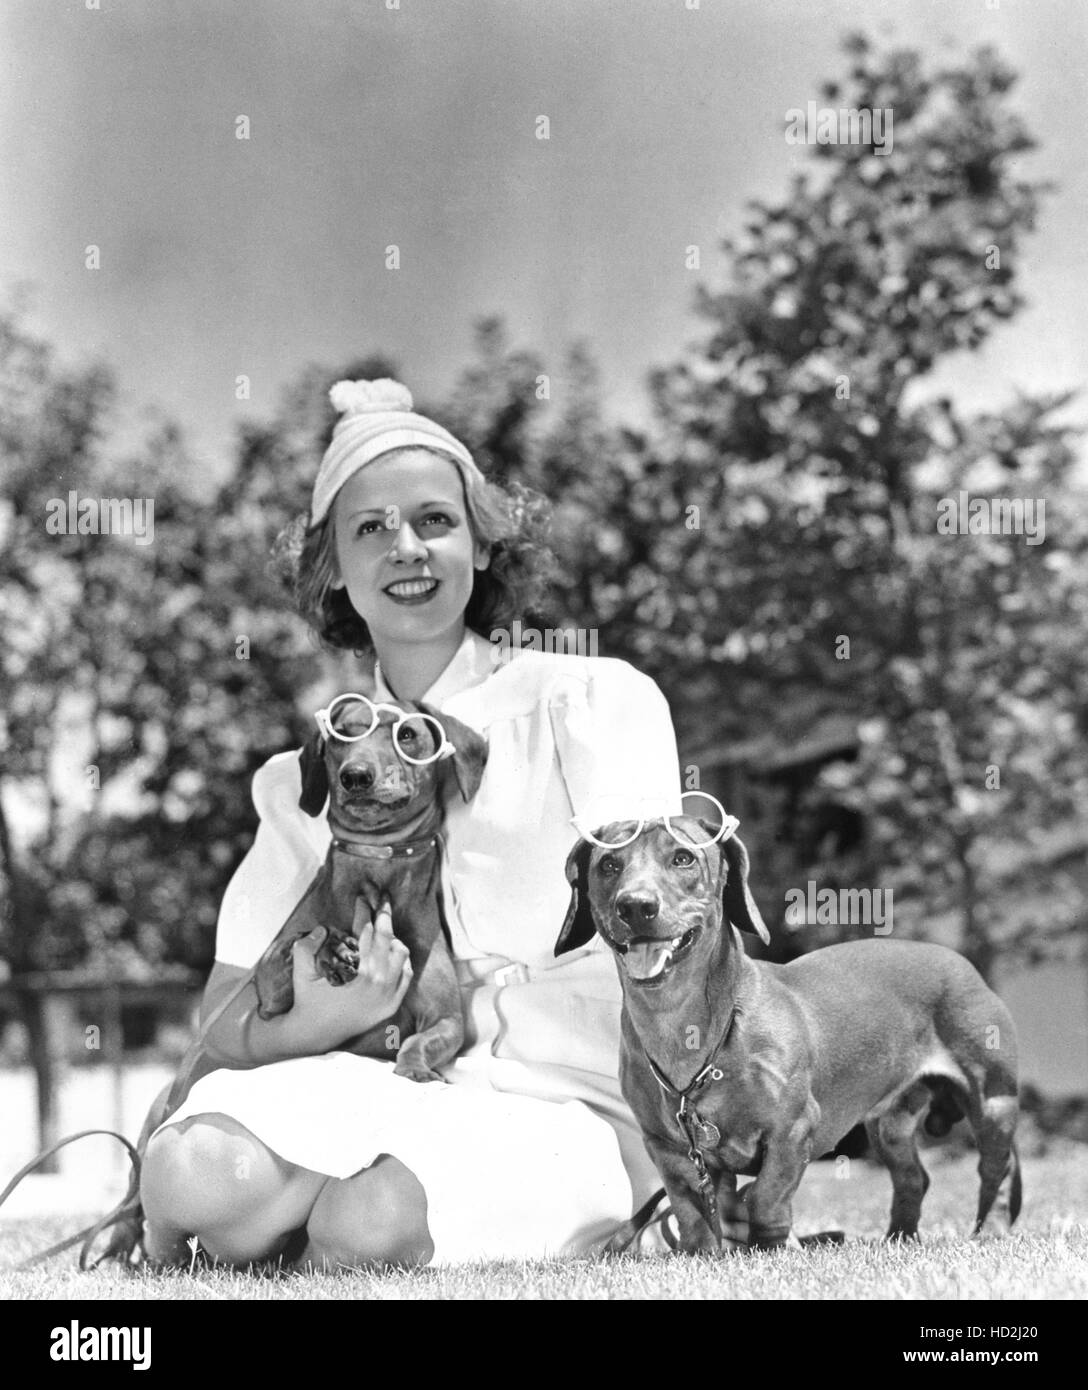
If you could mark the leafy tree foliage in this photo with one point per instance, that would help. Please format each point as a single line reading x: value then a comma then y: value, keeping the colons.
x: 800, y: 427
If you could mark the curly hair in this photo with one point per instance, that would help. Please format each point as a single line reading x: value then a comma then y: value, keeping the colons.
x: 513, y: 522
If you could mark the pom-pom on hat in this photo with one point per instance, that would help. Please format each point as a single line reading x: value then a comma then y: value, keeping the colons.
x: 375, y: 417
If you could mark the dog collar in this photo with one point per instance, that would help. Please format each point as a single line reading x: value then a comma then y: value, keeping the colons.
x: 707, y: 1071
x: 410, y: 849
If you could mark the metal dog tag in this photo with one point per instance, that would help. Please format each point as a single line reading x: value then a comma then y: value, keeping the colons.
x: 707, y: 1134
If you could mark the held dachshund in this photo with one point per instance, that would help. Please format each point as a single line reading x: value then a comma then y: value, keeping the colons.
x: 735, y: 1067
x: 383, y: 770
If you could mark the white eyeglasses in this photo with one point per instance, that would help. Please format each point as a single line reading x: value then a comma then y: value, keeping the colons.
x: 727, y: 828
x: 411, y: 726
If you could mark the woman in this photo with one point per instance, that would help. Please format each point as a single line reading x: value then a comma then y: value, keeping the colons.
x: 296, y: 1150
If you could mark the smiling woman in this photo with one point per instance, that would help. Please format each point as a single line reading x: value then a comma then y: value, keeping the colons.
x: 405, y: 553
x: 508, y: 525
x: 411, y: 554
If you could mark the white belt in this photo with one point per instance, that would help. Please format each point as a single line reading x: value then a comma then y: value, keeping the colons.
x: 491, y: 970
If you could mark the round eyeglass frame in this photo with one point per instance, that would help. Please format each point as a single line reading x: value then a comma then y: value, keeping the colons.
x: 324, y: 719
x: 728, y: 827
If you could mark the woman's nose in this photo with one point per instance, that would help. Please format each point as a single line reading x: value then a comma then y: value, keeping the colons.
x: 407, y: 546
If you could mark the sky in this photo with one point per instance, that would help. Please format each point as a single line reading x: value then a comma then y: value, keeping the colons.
x: 416, y: 127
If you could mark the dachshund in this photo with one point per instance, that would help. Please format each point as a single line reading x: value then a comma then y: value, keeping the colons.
x: 737, y: 1067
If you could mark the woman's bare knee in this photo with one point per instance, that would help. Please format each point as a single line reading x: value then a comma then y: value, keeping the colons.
x: 197, y: 1172
x: 379, y: 1216
x: 211, y: 1178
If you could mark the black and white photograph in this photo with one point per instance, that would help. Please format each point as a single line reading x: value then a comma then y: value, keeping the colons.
x: 543, y: 662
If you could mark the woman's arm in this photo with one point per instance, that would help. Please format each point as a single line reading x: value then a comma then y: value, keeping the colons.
x: 324, y: 1016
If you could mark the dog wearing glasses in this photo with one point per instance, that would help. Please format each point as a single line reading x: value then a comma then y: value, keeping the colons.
x: 736, y: 1067
x: 383, y: 770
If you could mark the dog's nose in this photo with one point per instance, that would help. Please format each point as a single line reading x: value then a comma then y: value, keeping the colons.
x: 356, y: 778
x: 634, y: 908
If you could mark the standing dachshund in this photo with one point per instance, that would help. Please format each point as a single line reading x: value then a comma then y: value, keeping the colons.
x: 739, y: 1067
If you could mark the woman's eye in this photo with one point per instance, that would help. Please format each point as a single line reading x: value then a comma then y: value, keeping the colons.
x: 683, y: 859
x: 368, y: 528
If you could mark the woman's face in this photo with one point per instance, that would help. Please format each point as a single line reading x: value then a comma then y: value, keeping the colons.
x: 403, y: 546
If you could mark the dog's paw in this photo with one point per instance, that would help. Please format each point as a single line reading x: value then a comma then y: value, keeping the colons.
x: 416, y: 1070
x: 340, y: 960
x: 824, y: 1238
x: 769, y: 1244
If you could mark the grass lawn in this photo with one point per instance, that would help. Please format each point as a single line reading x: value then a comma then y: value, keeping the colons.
x: 1045, y: 1257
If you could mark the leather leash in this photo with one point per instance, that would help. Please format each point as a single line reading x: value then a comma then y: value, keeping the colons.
x: 126, y: 1206
x: 698, y: 1132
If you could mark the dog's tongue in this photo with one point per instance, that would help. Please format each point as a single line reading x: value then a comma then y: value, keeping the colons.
x: 645, y: 960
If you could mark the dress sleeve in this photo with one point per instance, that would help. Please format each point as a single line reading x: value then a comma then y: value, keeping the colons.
x: 278, y: 869
x: 617, y: 747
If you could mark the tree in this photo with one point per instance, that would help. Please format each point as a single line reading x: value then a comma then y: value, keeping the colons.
x: 815, y: 580
x: 50, y: 423
x: 545, y: 430
x: 494, y: 408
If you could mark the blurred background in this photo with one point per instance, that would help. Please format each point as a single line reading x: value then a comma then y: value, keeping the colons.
x: 745, y: 371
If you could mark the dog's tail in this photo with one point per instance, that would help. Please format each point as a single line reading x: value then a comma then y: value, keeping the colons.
x: 126, y: 1216
x: 1016, y: 1186
x: 998, y: 1158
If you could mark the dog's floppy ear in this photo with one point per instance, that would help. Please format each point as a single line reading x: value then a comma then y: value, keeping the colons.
x: 470, y: 758
x: 737, y: 901
x: 315, y: 777
x: 577, y: 926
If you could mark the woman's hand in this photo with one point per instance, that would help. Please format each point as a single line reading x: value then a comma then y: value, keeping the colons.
x: 335, y: 1013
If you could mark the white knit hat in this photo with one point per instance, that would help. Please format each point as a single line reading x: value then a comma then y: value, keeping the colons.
x: 376, y: 416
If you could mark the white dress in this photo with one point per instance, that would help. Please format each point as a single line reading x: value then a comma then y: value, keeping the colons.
x: 531, y: 1149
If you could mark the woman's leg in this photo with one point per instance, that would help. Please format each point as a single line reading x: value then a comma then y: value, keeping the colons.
x: 378, y: 1216
x: 210, y: 1177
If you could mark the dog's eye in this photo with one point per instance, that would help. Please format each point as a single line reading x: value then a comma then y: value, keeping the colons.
x: 407, y: 734
x: 609, y: 865
x: 683, y: 859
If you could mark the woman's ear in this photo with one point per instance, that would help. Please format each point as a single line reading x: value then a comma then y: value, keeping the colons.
x: 336, y: 579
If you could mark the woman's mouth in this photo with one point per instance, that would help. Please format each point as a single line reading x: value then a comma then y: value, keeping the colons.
x: 412, y: 590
